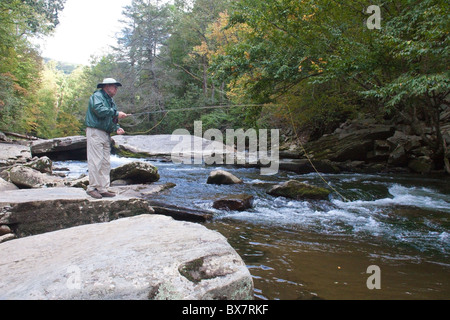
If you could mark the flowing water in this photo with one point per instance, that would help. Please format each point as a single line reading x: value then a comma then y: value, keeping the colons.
x: 323, y: 249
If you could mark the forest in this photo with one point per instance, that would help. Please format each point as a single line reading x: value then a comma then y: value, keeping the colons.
x: 311, y: 64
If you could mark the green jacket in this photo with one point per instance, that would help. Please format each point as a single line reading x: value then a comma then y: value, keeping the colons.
x: 102, y: 112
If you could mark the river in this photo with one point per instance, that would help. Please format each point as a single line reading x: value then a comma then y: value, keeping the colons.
x: 323, y: 249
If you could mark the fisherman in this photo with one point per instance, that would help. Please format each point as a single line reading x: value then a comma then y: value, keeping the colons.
x: 102, y: 119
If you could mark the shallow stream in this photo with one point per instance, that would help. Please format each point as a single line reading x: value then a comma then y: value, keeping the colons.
x: 323, y: 249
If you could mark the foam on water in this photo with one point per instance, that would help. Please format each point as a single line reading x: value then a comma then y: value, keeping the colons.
x: 400, y: 212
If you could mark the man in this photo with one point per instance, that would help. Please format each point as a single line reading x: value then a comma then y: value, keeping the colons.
x: 102, y: 119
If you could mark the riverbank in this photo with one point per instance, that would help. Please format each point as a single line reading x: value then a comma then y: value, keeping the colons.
x: 312, y: 249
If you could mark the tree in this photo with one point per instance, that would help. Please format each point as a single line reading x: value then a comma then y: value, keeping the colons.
x: 147, y: 29
x: 304, y: 48
x: 20, y: 64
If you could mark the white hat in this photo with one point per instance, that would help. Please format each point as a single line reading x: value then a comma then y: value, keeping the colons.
x: 108, y: 81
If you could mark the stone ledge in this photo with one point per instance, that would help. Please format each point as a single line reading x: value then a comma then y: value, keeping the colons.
x: 35, y: 211
x: 136, y: 258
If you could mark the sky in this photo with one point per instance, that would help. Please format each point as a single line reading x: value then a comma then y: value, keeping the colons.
x: 86, y: 28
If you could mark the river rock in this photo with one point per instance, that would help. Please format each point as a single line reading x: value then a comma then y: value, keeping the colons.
x: 237, y: 202
x: 67, y: 148
x: 136, y: 172
x: 26, y: 177
x: 43, y: 164
x: 35, y: 211
x: 408, y: 142
x: 354, y: 142
x: 294, y: 189
x: 422, y: 165
x: 181, y: 213
x: 222, y: 177
x: 137, y: 258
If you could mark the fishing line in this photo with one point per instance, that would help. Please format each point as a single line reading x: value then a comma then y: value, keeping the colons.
x: 237, y: 106
x: 199, y: 108
x: 308, y: 157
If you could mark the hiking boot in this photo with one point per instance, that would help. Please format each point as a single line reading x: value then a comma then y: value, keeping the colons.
x: 94, y: 194
x: 108, y: 194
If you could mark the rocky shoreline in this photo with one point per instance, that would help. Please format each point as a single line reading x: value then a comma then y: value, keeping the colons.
x: 38, y: 201
x: 357, y: 146
x: 365, y: 146
x: 56, y: 242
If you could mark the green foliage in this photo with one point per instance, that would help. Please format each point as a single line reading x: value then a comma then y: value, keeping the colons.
x: 294, y: 49
x: 315, y: 58
x: 20, y: 64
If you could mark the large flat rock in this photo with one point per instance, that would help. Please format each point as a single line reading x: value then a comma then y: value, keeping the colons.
x: 170, y: 145
x: 35, y: 211
x: 142, y: 257
x: 66, y: 148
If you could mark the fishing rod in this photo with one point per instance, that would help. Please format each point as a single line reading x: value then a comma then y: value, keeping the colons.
x: 200, y: 108
x: 245, y: 106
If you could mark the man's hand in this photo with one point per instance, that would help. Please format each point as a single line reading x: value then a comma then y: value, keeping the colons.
x: 120, y: 131
x: 122, y: 115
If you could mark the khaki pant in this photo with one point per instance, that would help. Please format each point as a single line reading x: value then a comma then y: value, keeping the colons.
x: 98, y: 156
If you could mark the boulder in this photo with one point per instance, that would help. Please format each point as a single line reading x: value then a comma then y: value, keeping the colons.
x: 398, y: 157
x: 137, y: 258
x: 177, y: 146
x: 222, y: 177
x: 237, y: 202
x: 408, y: 142
x: 26, y: 177
x: 297, y: 190
x: 67, y: 148
x: 35, y: 211
x: 354, y: 144
x: 422, y: 165
x: 136, y: 172
x: 43, y: 164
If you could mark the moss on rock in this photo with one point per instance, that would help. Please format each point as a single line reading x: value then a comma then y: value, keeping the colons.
x: 294, y: 189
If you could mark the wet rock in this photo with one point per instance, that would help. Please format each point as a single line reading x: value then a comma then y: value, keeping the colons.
x: 294, y: 189
x: 238, y: 202
x: 136, y: 172
x: 181, y: 213
x: 222, y: 177
x: 137, y: 258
